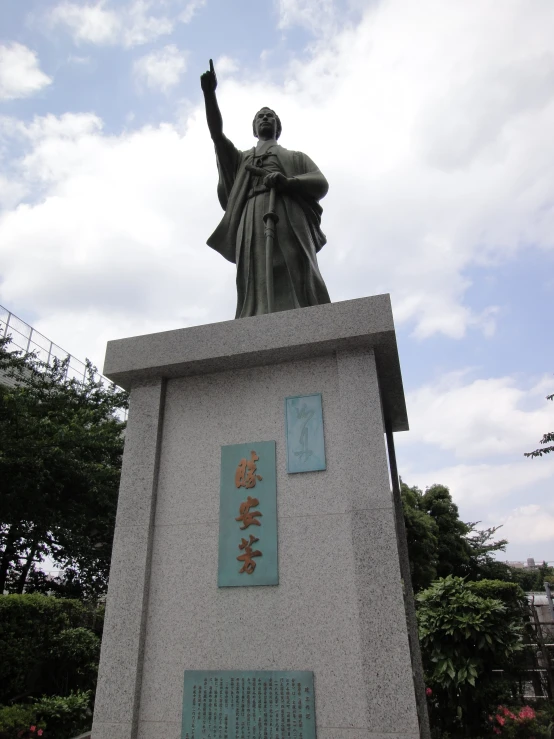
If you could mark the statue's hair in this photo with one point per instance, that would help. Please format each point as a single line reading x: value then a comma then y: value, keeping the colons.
x: 279, y: 127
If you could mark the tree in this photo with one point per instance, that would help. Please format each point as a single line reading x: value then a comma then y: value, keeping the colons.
x: 422, y: 534
x: 440, y: 544
x: 532, y: 580
x: 61, y: 445
x: 481, y: 562
x: 453, y: 550
x: 548, y: 438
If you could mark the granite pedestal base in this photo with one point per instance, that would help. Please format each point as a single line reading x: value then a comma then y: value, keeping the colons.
x: 339, y: 608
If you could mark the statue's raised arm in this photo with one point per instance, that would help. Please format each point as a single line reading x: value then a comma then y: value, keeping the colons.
x: 208, y: 82
x: 272, y: 240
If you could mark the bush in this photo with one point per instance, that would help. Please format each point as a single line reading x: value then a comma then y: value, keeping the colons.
x: 509, y: 593
x: 15, y: 718
x: 65, y: 717
x: 464, y: 638
x: 47, y: 646
x: 521, y: 723
x: 55, y: 717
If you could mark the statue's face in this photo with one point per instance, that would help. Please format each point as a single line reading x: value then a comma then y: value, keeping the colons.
x: 266, y: 124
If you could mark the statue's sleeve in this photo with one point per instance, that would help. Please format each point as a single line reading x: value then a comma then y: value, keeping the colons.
x: 310, y: 182
x: 228, y: 161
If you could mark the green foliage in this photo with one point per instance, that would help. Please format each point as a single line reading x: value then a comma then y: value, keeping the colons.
x: 422, y: 534
x: 548, y: 438
x: 533, y: 580
x: 47, y: 646
x: 61, y: 444
x: 65, y: 717
x: 453, y: 551
x: 59, y: 717
x: 509, y: 593
x: 464, y: 637
x: 482, y: 564
x: 440, y: 544
x: 14, y: 719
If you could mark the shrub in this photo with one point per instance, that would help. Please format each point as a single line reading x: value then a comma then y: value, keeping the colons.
x: 51, y: 717
x: 65, y: 717
x: 464, y: 638
x: 520, y: 723
x: 47, y: 646
x: 15, y: 718
x: 509, y: 593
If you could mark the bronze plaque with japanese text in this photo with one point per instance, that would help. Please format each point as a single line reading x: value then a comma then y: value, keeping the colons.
x: 248, y: 704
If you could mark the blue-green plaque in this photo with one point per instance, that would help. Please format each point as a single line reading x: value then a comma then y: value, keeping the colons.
x: 248, y: 704
x: 304, y: 431
x: 248, y: 515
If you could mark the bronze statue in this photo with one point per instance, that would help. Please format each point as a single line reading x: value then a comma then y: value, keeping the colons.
x: 271, y: 227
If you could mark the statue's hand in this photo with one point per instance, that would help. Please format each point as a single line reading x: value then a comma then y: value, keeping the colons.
x: 208, y: 80
x: 278, y: 181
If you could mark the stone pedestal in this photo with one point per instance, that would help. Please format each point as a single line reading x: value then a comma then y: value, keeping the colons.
x: 339, y: 608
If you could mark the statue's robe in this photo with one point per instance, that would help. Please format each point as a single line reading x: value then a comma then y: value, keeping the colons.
x: 240, y: 235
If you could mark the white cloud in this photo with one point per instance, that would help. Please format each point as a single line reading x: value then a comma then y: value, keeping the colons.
x: 425, y: 220
x: 91, y: 23
x: 410, y: 217
x: 487, y: 493
x: 487, y: 424
x: 483, y: 486
x: 141, y: 26
x: 226, y: 65
x: 431, y: 121
x: 135, y: 23
x: 480, y: 418
x: 10, y: 193
x: 406, y: 213
x: 80, y: 60
x: 529, y: 524
x: 190, y: 10
x: 483, y: 491
x: 318, y: 16
x: 116, y: 243
x: 20, y: 73
x: 161, y: 69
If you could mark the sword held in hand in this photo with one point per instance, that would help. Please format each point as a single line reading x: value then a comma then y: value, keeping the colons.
x: 270, y: 219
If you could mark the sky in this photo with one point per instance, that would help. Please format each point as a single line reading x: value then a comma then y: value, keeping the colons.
x: 432, y: 122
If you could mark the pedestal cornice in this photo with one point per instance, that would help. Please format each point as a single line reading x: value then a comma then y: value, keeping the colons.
x: 268, y: 339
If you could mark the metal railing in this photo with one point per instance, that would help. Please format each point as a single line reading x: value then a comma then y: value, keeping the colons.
x: 27, y: 339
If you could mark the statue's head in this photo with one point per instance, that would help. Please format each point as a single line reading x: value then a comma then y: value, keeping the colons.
x: 267, y: 123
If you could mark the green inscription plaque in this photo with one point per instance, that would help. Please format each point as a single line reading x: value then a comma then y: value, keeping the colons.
x: 248, y: 704
x: 248, y: 515
x: 304, y: 431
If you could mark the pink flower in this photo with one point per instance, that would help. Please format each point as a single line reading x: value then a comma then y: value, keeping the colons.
x: 501, y: 720
x: 527, y: 713
x: 428, y: 692
x: 496, y: 730
x: 40, y: 732
x: 32, y: 728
